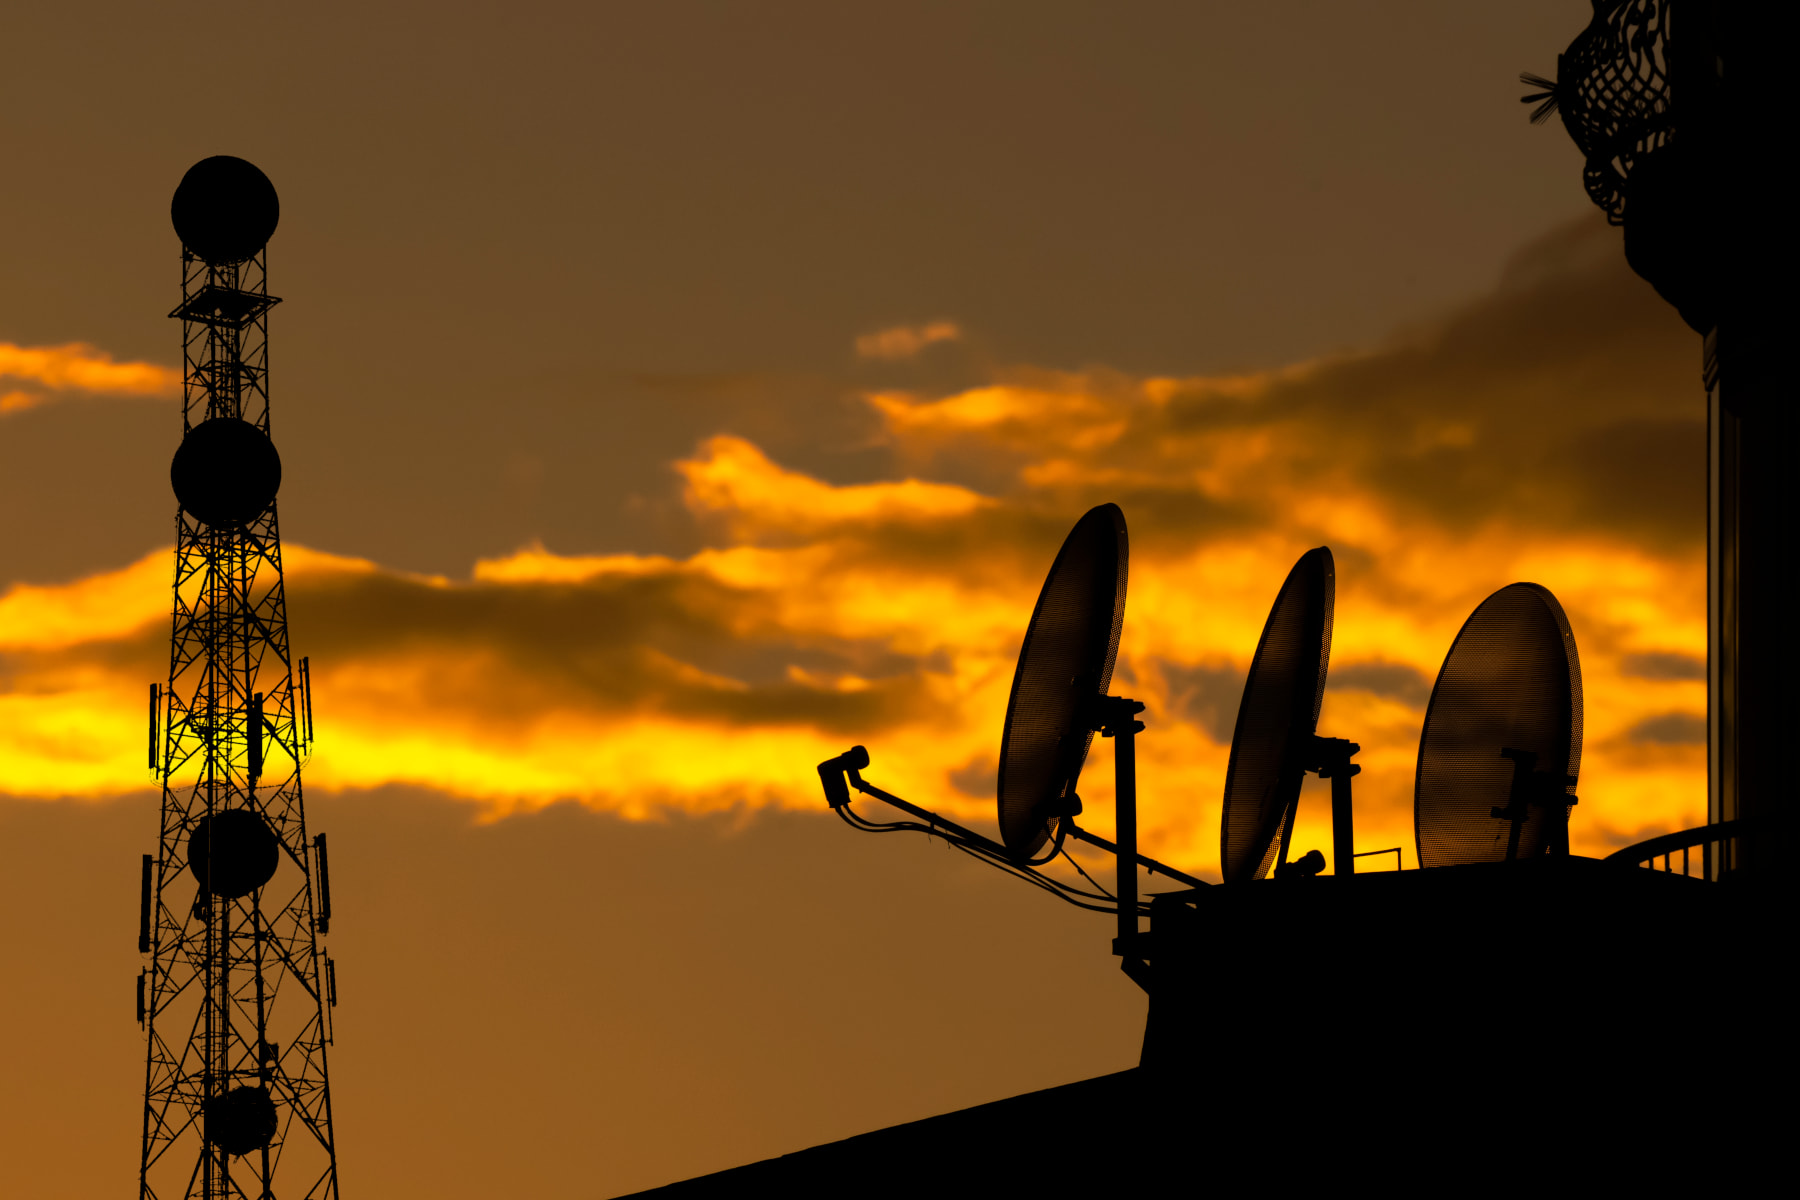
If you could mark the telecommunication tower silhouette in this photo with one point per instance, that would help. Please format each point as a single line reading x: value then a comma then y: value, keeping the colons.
x: 236, y: 1002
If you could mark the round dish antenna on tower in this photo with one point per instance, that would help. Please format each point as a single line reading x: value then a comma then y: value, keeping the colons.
x: 233, y: 852
x: 1065, y: 668
x: 1271, y: 747
x: 225, y: 210
x: 1501, y: 747
x: 241, y: 1120
x: 225, y: 472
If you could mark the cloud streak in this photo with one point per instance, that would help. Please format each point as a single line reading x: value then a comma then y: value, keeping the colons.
x: 1496, y: 447
x: 50, y: 372
x: 905, y: 341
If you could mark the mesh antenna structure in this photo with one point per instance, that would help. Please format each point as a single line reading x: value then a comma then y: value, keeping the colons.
x: 236, y: 1000
x: 1501, y: 748
x: 1276, y: 743
x: 1059, y: 701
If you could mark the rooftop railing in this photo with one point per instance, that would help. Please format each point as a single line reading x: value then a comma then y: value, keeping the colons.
x: 1717, y: 844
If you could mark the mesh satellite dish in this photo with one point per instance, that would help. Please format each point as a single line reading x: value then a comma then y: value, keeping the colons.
x: 1058, y: 702
x: 1065, y: 668
x: 1501, y: 748
x: 1275, y: 742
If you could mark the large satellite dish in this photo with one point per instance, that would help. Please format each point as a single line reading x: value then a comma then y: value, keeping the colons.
x: 1059, y: 701
x: 1501, y: 748
x: 1065, y: 668
x: 1275, y: 741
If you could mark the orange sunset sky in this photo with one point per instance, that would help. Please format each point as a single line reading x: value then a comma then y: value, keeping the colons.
x: 671, y: 400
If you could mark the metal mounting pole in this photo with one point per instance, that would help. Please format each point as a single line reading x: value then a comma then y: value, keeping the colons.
x: 1330, y: 757
x: 1119, y: 722
x: 1343, y: 835
x: 1125, y: 785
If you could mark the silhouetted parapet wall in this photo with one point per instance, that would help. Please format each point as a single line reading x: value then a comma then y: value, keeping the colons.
x: 1458, y: 978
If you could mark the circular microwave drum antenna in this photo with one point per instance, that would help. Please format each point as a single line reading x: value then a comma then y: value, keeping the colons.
x: 1277, y: 718
x: 233, y: 852
x: 1501, y: 747
x: 1065, y: 667
x: 241, y: 1120
x: 225, y: 472
x: 225, y: 210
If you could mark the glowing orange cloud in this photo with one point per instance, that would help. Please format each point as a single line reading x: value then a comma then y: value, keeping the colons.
x: 734, y: 479
x: 905, y: 341
x: 890, y: 613
x: 464, y: 710
x: 77, y: 367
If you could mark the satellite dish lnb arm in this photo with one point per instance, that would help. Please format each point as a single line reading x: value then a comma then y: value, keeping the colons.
x: 967, y: 836
x: 838, y: 775
x: 1143, y: 860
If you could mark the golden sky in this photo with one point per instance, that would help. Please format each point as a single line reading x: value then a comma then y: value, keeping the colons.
x: 672, y: 396
x: 1490, y: 448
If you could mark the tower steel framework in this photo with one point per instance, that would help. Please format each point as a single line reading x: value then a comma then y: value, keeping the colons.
x: 236, y: 1001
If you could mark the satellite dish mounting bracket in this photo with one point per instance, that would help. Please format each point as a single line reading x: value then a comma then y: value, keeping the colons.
x: 1532, y: 787
x: 1114, y: 713
x: 1116, y: 718
x: 1329, y: 758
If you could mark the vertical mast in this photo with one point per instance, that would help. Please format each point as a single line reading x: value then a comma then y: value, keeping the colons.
x: 236, y: 1013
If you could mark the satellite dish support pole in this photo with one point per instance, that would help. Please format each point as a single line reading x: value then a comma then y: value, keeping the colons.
x: 1331, y: 759
x: 1343, y: 836
x: 1531, y: 787
x: 1118, y: 721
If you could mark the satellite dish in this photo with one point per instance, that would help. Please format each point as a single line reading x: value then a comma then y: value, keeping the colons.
x: 1501, y: 748
x: 1272, y: 745
x: 241, y: 1120
x: 225, y: 210
x: 225, y: 472
x: 1059, y: 701
x: 1065, y: 668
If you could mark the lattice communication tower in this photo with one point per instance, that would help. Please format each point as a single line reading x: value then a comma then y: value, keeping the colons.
x: 236, y: 1001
